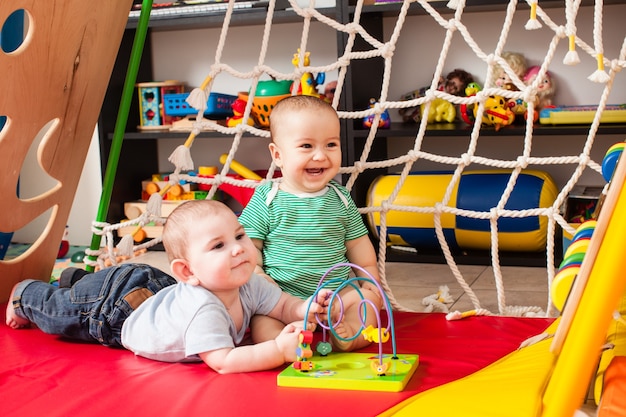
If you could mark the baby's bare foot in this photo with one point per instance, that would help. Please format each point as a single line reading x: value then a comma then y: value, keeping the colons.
x: 345, y: 332
x: 13, y: 320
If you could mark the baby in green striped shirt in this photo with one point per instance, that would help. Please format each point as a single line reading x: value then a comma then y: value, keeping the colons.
x: 306, y: 222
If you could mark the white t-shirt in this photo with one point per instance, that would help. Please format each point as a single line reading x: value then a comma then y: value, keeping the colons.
x: 181, y: 321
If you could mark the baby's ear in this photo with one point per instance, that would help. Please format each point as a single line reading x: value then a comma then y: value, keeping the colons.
x: 182, y: 272
x: 275, y: 152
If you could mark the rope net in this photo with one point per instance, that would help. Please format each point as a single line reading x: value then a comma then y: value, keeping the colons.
x: 563, y: 43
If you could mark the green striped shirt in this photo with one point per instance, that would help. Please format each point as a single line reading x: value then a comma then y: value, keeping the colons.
x: 303, y: 236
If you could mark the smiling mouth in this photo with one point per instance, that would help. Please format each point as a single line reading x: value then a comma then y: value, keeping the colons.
x: 315, y: 171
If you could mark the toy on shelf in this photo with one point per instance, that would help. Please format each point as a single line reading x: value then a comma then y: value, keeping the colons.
x: 238, y: 106
x: 329, y: 91
x: 218, y: 105
x: 612, y: 113
x: 455, y: 84
x: 517, y: 64
x: 467, y: 111
x: 349, y: 370
x: 440, y: 111
x: 268, y: 93
x: 152, y: 114
x: 183, y: 190
x: 497, y: 112
x: 384, y: 122
x: 545, y: 87
x: 308, y: 83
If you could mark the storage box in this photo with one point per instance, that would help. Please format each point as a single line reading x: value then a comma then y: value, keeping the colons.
x: 151, y: 104
x: 219, y: 106
x: 578, y: 208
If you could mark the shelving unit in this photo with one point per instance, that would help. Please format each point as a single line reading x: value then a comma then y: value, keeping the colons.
x: 139, y: 156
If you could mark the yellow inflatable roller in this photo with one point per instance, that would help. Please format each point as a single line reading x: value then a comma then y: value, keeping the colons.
x: 477, y: 191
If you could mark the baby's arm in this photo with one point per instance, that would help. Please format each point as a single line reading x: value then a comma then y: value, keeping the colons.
x: 290, y: 308
x: 258, y: 357
x: 360, y: 251
x: 258, y: 243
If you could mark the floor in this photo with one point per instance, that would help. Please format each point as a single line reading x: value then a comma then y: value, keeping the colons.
x: 411, y: 283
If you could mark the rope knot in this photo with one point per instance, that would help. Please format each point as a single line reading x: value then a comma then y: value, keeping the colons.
x: 466, y: 159
x: 452, y: 25
x: 522, y: 161
x: 387, y: 50
x: 615, y: 65
x: 358, y: 165
x: 561, y: 32
x: 352, y: 27
x: 584, y: 159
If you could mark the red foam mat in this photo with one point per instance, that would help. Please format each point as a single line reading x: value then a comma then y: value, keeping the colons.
x: 42, y: 374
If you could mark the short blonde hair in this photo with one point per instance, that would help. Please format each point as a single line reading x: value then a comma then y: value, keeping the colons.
x: 180, y: 222
x: 296, y: 103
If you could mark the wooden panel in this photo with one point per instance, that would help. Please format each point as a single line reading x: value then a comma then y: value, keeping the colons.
x: 56, y: 78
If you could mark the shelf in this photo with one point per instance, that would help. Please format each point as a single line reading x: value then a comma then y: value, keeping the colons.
x: 166, y: 134
x: 391, y: 9
x: 240, y: 17
x: 461, y: 129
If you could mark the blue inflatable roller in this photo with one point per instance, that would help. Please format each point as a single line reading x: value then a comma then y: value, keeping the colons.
x: 476, y: 191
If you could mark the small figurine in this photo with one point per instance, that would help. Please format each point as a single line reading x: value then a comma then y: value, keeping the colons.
x: 545, y: 89
x: 467, y: 111
x: 456, y: 81
x: 496, y: 112
x: 238, y: 106
x: 308, y: 83
x: 455, y: 84
x: 329, y: 91
x: 383, y: 123
x: 371, y: 334
x: 440, y: 111
x: 516, y: 61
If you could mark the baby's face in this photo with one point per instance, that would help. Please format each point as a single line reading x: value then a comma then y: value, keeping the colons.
x: 220, y: 254
x: 307, y: 148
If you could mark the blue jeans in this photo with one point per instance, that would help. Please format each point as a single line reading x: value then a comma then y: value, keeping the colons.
x: 95, y: 307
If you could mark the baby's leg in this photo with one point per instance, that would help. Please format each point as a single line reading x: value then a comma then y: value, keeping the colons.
x: 264, y: 328
x: 351, y: 323
x: 13, y: 320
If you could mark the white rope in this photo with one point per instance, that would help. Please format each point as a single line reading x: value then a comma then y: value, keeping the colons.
x: 378, y: 49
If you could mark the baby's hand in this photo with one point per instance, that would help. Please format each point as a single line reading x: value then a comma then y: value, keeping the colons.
x: 319, y: 306
x: 288, y: 339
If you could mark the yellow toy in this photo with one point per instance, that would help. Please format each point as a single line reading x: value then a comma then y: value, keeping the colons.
x: 376, y: 335
x: 308, y: 84
x: 239, y: 107
x: 440, y: 111
x: 240, y: 169
x: 496, y: 112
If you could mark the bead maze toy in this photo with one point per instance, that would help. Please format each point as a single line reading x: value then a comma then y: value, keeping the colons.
x: 350, y: 370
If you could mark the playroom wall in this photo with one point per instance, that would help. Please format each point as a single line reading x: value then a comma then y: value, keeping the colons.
x: 419, y: 33
x: 187, y: 56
